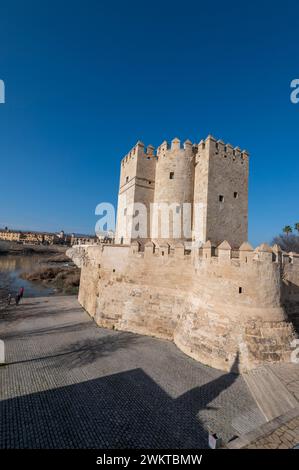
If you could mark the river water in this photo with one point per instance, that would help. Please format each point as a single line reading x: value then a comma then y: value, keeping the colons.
x: 11, y: 267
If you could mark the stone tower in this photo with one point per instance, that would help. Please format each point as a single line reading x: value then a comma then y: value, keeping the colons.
x: 174, y: 183
x: 221, y: 191
x: 137, y: 185
x: 205, y: 183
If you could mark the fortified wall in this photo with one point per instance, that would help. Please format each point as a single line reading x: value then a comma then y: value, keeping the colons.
x: 213, y: 303
x: 213, y: 298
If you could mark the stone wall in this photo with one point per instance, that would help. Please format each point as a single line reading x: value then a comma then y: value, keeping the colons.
x: 290, y: 288
x: 212, y: 307
x: 227, y: 195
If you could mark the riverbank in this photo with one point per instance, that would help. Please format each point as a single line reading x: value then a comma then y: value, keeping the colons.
x: 63, y: 279
x: 41, y: 270
x: 13, y: 248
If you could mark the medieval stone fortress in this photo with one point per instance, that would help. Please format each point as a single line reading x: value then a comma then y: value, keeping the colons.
x: 211, y: 178
x: 213, y: 294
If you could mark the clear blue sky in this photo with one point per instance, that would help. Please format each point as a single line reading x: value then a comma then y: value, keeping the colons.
x: 86, y: 79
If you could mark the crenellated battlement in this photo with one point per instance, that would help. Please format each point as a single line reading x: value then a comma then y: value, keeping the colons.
x: 223, y: 149
x: 175, y: 145
x: 218, y: 146
x: 223, y: 253
x: 139, y: 151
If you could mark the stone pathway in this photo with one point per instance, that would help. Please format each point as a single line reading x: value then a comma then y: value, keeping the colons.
x: 270, y: 393
x: 70, y: 384
x: 279, y: 433
x: 276, y: 391
x: 285, y: 436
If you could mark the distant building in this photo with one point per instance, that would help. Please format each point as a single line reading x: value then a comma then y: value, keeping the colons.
x: 34, y: 238
x: 8, y: 235
x: 83, y: 240
x: 106, y: 237
x: 60, y: 238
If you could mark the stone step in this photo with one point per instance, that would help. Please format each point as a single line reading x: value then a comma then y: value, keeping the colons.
x: 270, y: 394
x: 248, y: 421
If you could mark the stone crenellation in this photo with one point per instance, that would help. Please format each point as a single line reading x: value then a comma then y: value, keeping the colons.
x: 224, y: 252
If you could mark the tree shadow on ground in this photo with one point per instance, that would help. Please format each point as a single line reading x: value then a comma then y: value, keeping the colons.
x: 50, y: 330
x: 32, y: 311
x: 84, y: 352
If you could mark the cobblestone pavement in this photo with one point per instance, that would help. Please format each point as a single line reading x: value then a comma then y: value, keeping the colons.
x: 289, y: 376
x: 284, y: 437
x: 70, y: 384
x: 279, y: 433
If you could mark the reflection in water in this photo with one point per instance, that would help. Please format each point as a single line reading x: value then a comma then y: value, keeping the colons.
x: 11, y: 268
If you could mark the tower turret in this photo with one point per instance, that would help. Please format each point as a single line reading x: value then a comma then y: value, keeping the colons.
x: 136, y: 188
x: 173, y: 189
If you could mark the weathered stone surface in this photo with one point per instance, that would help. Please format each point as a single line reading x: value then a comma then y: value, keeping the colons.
x: 212, y: 310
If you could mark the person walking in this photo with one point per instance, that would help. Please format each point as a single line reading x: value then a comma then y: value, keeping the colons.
x: 17, y: 299
x: 9, y: 299
x: 21, y: 292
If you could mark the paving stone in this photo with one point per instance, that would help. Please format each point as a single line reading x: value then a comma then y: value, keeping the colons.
x: 71, y: 384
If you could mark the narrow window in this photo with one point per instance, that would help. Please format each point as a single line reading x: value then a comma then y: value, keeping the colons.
x: 221, y: 198
x: 125, y: 211
x: 127, y: 179
x: 240, y: 290
x: 236, y: 195
x: 114, y: 270
x: 178, y: 209
x: 162, y: 253
x: 171, y: 175
x: 122, y: 240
